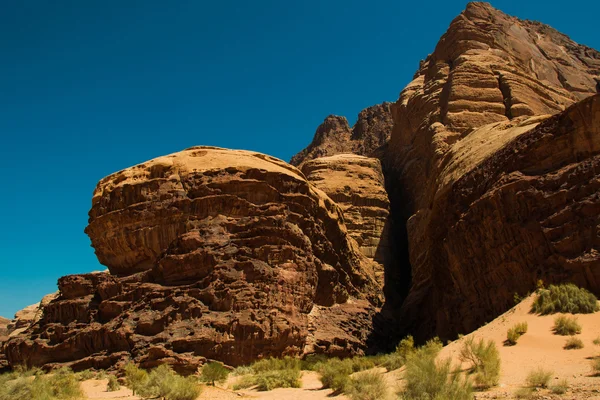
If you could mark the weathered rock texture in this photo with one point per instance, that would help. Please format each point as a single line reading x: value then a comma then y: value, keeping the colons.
x: 212, y: 253
x: 356, y: 184
x: 28, y: 316
x: 4, y: 328
x: 498, y: 195
x: 372, y: 130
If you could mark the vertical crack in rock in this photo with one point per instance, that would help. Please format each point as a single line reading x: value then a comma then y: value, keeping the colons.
x: 506, y: 96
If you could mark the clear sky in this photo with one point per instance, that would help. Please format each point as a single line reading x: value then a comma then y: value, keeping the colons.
x: 91, y: 87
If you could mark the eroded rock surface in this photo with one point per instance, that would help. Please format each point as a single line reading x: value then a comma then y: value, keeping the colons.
x: 498, y: 194
x: 212, y: 253
x: 371, y: 131
x: 357, y: 185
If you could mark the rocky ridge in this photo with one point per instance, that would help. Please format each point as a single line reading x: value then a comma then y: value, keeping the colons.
x: 371, y: 131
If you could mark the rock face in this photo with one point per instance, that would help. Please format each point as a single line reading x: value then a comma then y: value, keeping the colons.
x: 498, y: 194
x: 212, y: 253
x: 334, y: 136
x: 4, y: 328
x: 28, y: 316
x: 357, y: 185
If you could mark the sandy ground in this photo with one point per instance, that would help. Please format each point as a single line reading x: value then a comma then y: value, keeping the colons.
x: 538, y: 347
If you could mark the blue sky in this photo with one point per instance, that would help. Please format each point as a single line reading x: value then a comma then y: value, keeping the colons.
x: 91, y: 87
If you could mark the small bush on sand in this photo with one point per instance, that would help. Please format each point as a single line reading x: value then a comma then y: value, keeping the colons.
x: 397, y: 359
x: 367, y: 386
x: 276, y: 364
x: 214, y: 372
x: 561, y: 387
x: 284, y: 378
x: 427, y: 379
x: 484, y: 359
x: 524, y: 393
x: 564, y: 325
x: 564, y: 298
x: 60, y: 385
x: 573, y: 343
x: 161, y: 382
x: 539, y: 377
x: 335, y: 374
x: 272, y: 373
x: 113, y: 384
x: 362, y: 363
x: 515, y: 333
x: 597, y: 341
x: 596, y: 366
x: 136, y: 378
x: 86, y: 375
x: 313, y: 362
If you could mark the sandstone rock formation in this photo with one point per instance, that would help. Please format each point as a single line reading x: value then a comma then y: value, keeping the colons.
x: 497, y: 195
x: 4, y: 328
x: 372, y: 130
x: 28, y: 316
x: 357, y: 185
x: 212, y: 253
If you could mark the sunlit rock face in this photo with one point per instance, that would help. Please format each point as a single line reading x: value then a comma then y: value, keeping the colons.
x: 212, y: 253
x: 498, y: 193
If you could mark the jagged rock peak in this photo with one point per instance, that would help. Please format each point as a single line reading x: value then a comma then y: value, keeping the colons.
x: 372, y: 130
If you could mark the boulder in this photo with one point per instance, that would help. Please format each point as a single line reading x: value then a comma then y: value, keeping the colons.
x: 211, y: 254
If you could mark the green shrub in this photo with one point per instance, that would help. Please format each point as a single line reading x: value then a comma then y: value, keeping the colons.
x: 564, y: 326
x: 313, y: 362
x: 406, y: 346
x: 86, y: 375
x: 561, y: 387
x: 573, y: 343
x: 484, y: 359
x: 397, y: 359
x: 539, y: 377
x: 362, y: 363
x: 564, y: 298
x: 246, y: 382
x: 366, y: 386
x: 335, y: 374
x: 101, y: 375
x: 426, y: 379
x: 524, y: 393
x: 276, y: 364
x: 597, y: 341
x: 184, y: 389
x: 214, y: 372
x: 113, y: 384
x: 136, y: 378
x: 596, y: 366
x: 514, y: 333
x: 60, y: 385
x: 521, y: 328
x: 283, y: 378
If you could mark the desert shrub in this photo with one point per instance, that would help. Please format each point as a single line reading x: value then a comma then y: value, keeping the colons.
x: 539, y: 377
x: 113, y: 384
x: 366, y: 386
x: 514, y: 333
x: 564, y: 326
x: 335, y: 374
x: 521, y: 328
x: 596, y: 366
x: 101, y: 375
x: 184, y: 388
x: 276, y: 364
x: 214, y: 372
x: 561, y: 387
x: 597, y: 341
x: 362, y: 363
x: 397, y: 359
x: 564, y: 298
x: 136, y: 378
x: 426, y: 379
x: 245, y: 382
x: 86, y: 375
x: 573, y: 343
x: 313, y: 362
x: 484, y: 359
x: 524, y: 393
x: 283, y: 378
x: 61, y: 385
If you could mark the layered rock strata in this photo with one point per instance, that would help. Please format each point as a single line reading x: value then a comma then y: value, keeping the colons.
x: 497, y: 193
x: 357, y: 185
x: 212, y: 254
